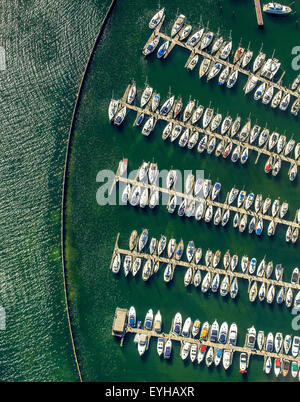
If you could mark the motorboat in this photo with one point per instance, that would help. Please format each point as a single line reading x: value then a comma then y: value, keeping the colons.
x: 127, y: 264
x: 209, y: 356
x: 278, y: 342
x: 295, y: 346
x: 201, y: 353
x: 196, y: 327
x: 185, y: 350
x: 276, y: 8
x: 270, y: 343
x: 156, y: 19
x: 232, y: 79
x: 251, y: 338
x: 193, y: 352
x: 294, y: 368
x: 186, y: 329
x: 243, y: 362
x: 204, y: 331
x: 227, y: 358
x: 168, y: 349
x: 233, y: 334
x: 178, y: 24
x: 142, y: 344
x: 157, y: 322
x: 295, y: 276
x: 218, y: 356
x: 148, y: 323
x: 132, y: 317
x: 223, y: 333
x: 160, y: 346
x: 177, y: 324
x: 150, y: 46
x: 214, y: 332
x: 120, y: 116
x: 277, y: 367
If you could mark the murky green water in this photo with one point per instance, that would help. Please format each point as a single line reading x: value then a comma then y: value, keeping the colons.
x: 92, y: 230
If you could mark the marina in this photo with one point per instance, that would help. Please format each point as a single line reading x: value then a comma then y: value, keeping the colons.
x: 264, y: 75
x: 190, y: 202
x: 158, y: 259
x: 276, y: 153
x: 250, y: 348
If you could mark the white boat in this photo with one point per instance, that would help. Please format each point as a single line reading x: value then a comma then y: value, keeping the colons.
x: 184, y: 138
x: 262, y: 292
x: 132, y: 93
x: 268, y: 95
x: 224, y: 287
x: 289, y: 147
x: 293, y: 172
x: 278, y: 342
x: 232, y: 195
x: 278, y: 272
x: 211, y: 145
x: 167, y: 106
x: 204, y: 67
x: 133, y: 240
x: 251, y: 84
x: 178, y: 24
x: 214, y: 71
x: 171, y: 247
x: 136, y: 266
x: 195, y: 38
x: 260, y: 91
x: 233, y: 334
x: 225, y: 217
x: 157, y: 322
x: 249, y: 200
x: 287, y: 343
x: 285, y: 102
x: 148, y: 126
x: 185, y: 351
x: 198, y: 255
x: 235, y: 126
x: 201, y: 353
x: 276, y: 100
x: 196, y: 328
x: 168, y: 273
x: 127, y: 264
x: 161, y: 244
x: 148, y: 323
x: 142, y: 344
x: 156, y: 19
x: 188, y: 276
x: 280, y: 295
x: 177, y: 324
x: 176, y: 132
x: 206, y: 282
x: 155, y: 102
x: 268, y: 365
x: 206, y: 40
x: 179, y: 250
x: 132, y: 317
x: 209, y: 357
x: 227, y: 359
x: 150, y: 46
x: 226, y: 49
x: 258, y: 62
x: 214, y: 332
x: 295, y: 276
x: 253, y: 292
x: 241, y: 198
x: 184, y: 33
x: 271, y: 294
x: 216, y: 121
x: 120, y: 116
x: 243, y: 362
x: 255, y: 131
x: 146, y: 95
x: 143, y: 240
x: 171, y: 179
x: 261, y: 268
x: 204, y: 331
x: 260, y: 339
x: 216, y: 190
x: 207, y: 117
x: 160, y: 346
x: 192, y: 64
x: 234, y: 288
x: 188, y: 111
x: 197, y: 114
x: 116, y: 265
x: 295, y: 346
x: 276, y: 8
x: 244, y: 263
x: 144, y: 198
x: 224, y: 75
x: 233, y: 263
x: 112, y: 108
x: 140, y: 119
x: 245, y: 131
x: 215, y: 283
x: 190, y: 250
x: 223, y: 333
x: 193, y: 352
x: 277, y: 367
x: 193, y: 139
x: 294, y: 368
x: 247, y: 58
x: 264, y: 135
x: 168, y: 349
x: 208, y: 213
x: 218, y: 356
x: 251, y: 338
x: 232, y: 79
x: 172, y: 203
x: 217, y: 44
x: 152, y: 173
x: 202, y: 143
x: 200, y: 210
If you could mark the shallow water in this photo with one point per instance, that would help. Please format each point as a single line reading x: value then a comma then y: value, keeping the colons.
x: 92, y: 230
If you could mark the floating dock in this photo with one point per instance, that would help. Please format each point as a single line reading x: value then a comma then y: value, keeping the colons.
x: 259, y: 17
x: 227, y: 346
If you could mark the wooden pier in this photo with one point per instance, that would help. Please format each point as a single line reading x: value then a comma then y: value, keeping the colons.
x: 258, y: 11
x: 210, y: 268
x: 233, y: 348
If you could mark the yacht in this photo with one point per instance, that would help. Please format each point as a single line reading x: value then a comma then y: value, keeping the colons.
x: 127, y: 264
x: 140, y: 119
x: 232, y: 79
x: 206, y: 40
x: 261, y: 268
x: 152, y: 173
x: 295, y: 276
x: 179, y: 250
x: 287, y: 343
x: 136, y: 266
x: 148, y: 323
x: 206, y: 282
x: 160, y: 346
x: 216, y: 121
x: 201, y: 353
x: 146, y: 95
x: 132, y: 93
x: 244, y: 263
x: 207, y: 117
x: 185, y: 351
x: 193, y: 352
x: 143, y: 240
x: 214, y: 332
x: 280, y: 295
x: 260, y: 91
x: 156, y: 19
x: 233, y: 334
x: 176, y: 132
x: 116, y: 263
x: 171, y: 179
x: 285, y: 102
x: 178, y: 24
x: 132, y: 317
x: 251, y: 338
x: 215, y: 282
x: 270, y: 343
x: 188, y: 276
x: 258, y: 62
x: 268, y: 95
x: 204, y: 67
x: 168, y: 349
x: 276, y: 100
x: 161, y: 244
x: 271, y: 294
x: 234, y: 261
x: 263, y: 138
x: 238, y: 54
x: 171, y: 247
x: 209, y: 356
x: 276, y: 8
x: 172, y: 203
x: 251, y: 84
x: 184, y: 138
x: 234, y: 288
x: 198, y: 255
x: 192, y: 64
x: 260, y: 339
x: 202, y: 143
x: 187, y: 114
x: 177, y: 324
x: 197, y: 114
x: 243, y: 362
x: 277, y: 367
x: 167, y: 106
x: 235, y: 126
x: 224, y: 76
x: 168, y: 273
x: 225, y: 217
x: 214, y: 71
x: 190, y: 250
x: 278, y: 272
x: 253, y: 291
x: 112, y: 109
x: 226, y: 49
x: 223, y: 333
x: 247, y: 58
x: 193, y: 140
x: 150, y: 46
x: 262, y: 292
x: 184, y: 33
x: 126, y: 193
x: 142, y: 344
x: 120, y: 116
x: 195, y: 38
x: 217, y: 45
x: 200, y: 210
x: 157, y: 322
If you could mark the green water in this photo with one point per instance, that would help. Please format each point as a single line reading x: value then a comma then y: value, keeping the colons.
x: 91, y: 229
